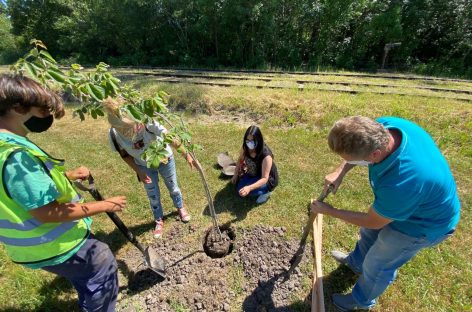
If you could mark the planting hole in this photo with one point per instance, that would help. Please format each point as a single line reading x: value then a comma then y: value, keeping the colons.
x: 216, y: 246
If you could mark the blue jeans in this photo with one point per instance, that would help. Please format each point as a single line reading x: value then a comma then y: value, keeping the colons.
x: 169, y: 174
x: 377, y: 257
x: 94, y: 273
x: 247, y: 180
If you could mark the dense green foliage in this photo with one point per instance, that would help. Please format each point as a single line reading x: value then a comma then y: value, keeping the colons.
x: 8, y: 46
x: 435, y: 36
x: 92, y: 88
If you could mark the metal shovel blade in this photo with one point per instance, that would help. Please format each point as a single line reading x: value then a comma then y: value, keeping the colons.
x: 151, y: 257
x: 224, y: 160
x: 229, y: 170
x: 155, y: 262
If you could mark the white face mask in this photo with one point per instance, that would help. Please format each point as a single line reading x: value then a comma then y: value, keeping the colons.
x: 359, y: 162
x: 251, y: 145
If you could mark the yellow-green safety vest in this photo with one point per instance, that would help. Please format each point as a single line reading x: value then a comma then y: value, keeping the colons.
x: 28, y: 240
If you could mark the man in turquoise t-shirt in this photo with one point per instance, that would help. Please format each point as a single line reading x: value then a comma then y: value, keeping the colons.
x: 415, y: 206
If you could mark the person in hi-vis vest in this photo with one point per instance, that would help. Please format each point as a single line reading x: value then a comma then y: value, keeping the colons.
x: 44, y: 222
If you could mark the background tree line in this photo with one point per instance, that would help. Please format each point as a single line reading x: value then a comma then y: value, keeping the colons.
x: 435, y: 35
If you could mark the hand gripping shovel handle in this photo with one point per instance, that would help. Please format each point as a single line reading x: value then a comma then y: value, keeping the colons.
x: 297, y: 257
x: 152, y: 259
x: 113, y: 216
x: 307, y: 229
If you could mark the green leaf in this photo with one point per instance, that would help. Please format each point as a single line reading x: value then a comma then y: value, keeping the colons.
x: 163, y: 95
x: 56, y: 76
x: 48, y: 56
x: 31, y: 69
x: 159, y: 106
x: 33, y: 52
x: 38, y: 65
x: 96, y: 92
x: 76, y: 67
x: 148, y: 108
x: 155, y: 162
x: 80, y: 113
x: 74, y: 79
x: 195, y: 147
x: 112, y: 88
x: 134, y: 113
x: 185, y: 136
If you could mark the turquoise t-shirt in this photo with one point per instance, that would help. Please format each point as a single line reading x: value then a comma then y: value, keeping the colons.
x: 414, y: 186
x: 30, y: 186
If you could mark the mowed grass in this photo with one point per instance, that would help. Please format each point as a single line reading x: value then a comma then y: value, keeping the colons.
x: 295, y: 125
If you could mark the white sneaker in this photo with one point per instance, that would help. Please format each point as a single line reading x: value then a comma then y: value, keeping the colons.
x: 263, y: 198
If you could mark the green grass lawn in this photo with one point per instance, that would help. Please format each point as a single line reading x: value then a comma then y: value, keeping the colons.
x: 295, y: 125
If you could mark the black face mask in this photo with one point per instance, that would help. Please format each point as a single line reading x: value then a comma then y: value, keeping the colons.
x: 38, y: 124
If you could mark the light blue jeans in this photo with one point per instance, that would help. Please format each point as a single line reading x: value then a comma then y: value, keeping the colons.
x: 377, y: 257
x: 169, y: 174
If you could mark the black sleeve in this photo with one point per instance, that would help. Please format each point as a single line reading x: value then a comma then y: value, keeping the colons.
x: 266, y: 152
x: 117, y: 146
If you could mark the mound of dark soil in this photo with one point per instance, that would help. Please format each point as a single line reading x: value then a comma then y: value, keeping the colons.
x: 216, y: 245
x: 247, y: 279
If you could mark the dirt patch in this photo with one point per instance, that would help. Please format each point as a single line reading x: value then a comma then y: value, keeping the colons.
x: 249, y: 279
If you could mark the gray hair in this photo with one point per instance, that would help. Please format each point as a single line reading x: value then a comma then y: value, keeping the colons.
x: 357, y: 136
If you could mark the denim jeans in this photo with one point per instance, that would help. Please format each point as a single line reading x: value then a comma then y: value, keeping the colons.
x: 377, y: 257
x: 94, y: 273
x: 169, y: 174
x: 247, y: 180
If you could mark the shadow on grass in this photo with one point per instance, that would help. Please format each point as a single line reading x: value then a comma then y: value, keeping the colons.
x: 51, y: 300
x: 338, y: 281
x: 51, y: 293
x: 261, y: 298
x: 228, y: 200
x: 116, y: 240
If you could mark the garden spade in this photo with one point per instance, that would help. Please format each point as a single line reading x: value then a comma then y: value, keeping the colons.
x: 297, y: 257
x: 151, y: 258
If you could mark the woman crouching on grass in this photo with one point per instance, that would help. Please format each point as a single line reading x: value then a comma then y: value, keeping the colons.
x: 131, y: 139
x: 256, y: 169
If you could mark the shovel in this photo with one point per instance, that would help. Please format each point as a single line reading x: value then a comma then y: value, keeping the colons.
x: 297, y: 257
x: 151, y: 258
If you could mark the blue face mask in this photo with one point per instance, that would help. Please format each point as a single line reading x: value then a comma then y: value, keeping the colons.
x: 251, y: 144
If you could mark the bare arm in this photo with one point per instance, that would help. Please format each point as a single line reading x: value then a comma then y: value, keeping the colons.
x: 369, y: 220
x: 191, y: 162
x: 336, y: 177
x: 130, y: 162
x: 266, y: 166
x: 56, y: 212
x: 80, y: 173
